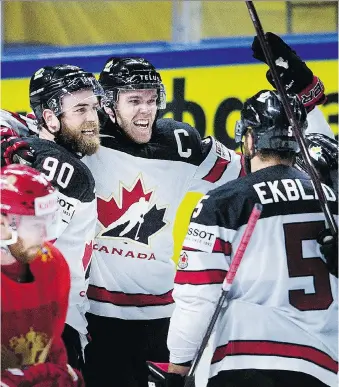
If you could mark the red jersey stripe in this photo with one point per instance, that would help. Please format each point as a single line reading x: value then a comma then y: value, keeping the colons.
x: 96, y: 293
x: 200, y: 277
x: 189, y: 248
x: 217, y: 170
x: 221, y: 246
x: 273, y: 348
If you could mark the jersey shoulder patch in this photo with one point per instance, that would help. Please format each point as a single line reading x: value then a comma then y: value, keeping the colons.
x: 65, y: 171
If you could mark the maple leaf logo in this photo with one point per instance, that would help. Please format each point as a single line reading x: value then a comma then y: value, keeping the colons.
x: 133, y: 217
x: 86, y: 259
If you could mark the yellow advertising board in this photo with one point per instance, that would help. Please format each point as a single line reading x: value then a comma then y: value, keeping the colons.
x: 209, y: 97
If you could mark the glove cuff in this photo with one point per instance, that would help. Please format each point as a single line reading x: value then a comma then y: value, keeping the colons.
x: 313, y: 94
x: 175, y: 380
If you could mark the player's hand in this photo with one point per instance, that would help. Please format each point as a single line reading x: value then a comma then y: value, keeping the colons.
x: 329, y: 249
x: 14, y: 149
x: 295, y: 75
x: 42, y: 375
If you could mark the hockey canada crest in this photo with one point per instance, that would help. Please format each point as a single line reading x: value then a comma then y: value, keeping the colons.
x: 134, y: 215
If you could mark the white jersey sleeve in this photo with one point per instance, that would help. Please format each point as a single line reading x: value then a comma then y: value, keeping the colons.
x: 219, y: 165
x: 318, y: 124
x: 202, y: 267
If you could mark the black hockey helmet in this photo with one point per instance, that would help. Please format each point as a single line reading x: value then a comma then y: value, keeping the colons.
x: 265, y: 115
x: 324, y: 153
x: 49, y: 84
x: 130, y: 74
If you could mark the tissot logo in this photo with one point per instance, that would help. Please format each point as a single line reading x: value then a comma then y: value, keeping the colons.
x: 200, y: 233
x: 133, y: 216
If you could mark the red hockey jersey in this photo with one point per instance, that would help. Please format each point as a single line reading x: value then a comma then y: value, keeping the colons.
x: 33, y: 314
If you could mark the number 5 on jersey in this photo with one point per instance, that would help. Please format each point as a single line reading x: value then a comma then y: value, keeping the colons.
x: 198, y: 207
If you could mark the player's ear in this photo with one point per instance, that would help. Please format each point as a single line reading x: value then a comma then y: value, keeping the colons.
x: 51, y: 120
x: 109, y: 111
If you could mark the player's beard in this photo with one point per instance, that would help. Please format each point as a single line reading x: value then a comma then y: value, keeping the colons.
x: 74, y: 137
x: 24, y: 254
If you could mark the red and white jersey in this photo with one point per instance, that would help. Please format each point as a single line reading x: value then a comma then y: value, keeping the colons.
x: 282, y: 310
x: 139, y: 189
x: 24, y: 126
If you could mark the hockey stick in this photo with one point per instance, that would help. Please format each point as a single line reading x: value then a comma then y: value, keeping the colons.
x: 252, y: 221
x: 137, y: 234
x: 294, y: 124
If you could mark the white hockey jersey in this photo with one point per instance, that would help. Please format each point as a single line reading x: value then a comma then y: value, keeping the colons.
x: 282, y: 310
x: 139, y: 189
x: 76, y: 196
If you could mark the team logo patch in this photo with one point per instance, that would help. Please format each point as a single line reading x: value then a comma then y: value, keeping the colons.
x: 26, y: 350
x: 222, y: 151
x: 45, y: 254
x: 183, y: 261
x: 134, y: 216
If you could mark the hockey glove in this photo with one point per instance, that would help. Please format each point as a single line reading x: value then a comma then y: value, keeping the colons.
x: 295, y: 76
x: 161, y: 378
x: 42, y: 375
x: 71, y: 338
x: 329, y: 249
x: 324, y: 153
x: 14, y: 149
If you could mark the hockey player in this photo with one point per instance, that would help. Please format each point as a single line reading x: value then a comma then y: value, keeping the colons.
x: 322, y: 146
x: 280, y: 327
x: 132, y: 272
x: 35, y: 284
x: 64, y: 99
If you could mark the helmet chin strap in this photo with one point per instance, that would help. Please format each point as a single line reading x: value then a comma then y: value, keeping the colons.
x: 247, y: 159
x: 247, y: 164
x: 51, y: 135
